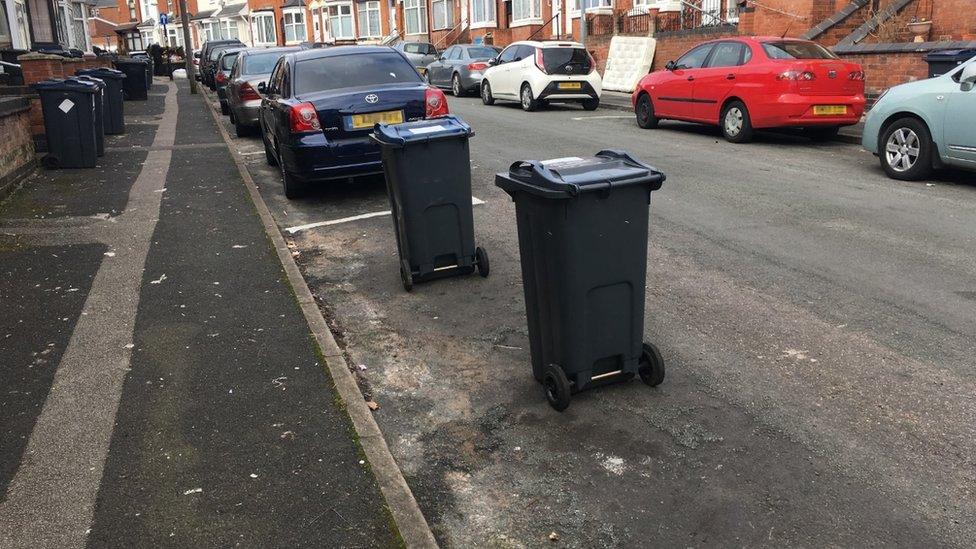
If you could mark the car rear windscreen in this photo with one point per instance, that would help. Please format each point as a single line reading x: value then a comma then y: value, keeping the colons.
x: 261, y: 63
x: 352, y: 71
x: 227, y: 62
x: 796, y: 50
x: 556, y: 60
x: 482, y: 53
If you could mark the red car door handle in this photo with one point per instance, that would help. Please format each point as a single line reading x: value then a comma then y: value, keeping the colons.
x: 730, y: 77
x: 690, y: 78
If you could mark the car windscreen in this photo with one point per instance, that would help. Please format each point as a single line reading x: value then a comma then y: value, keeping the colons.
x: 416, y: 47
x: 261, y: 63
x: 216, y: 53
x: 796, y: 50
x: 352, y: 71
x: 227, y: 61
x: 482, y: 53
x: 556, y: 58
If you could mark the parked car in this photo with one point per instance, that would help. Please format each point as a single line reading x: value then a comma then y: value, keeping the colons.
x: 252, y: 67
x: 208, y: 58
x: 319, y: 108
x: 420, y: 54
x: 743, y: 84
x: 928, y: 124
x: 222, y: 68
x: 460, y: 67
x: 536, y: 73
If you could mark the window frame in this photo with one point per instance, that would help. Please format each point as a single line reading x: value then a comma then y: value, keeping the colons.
x: 447, y: 7
x: 340, y: 17
x: 420, y: 6
x: 489, y: 19
x: 367, y: 8
x: 259, y: 27
x: 297, y: 16
x: 743, y: 48
x: 521, y: 18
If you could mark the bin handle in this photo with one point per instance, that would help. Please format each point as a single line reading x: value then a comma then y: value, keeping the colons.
x: 531, y: 168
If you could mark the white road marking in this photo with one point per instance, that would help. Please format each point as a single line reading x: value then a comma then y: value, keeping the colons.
x: 292, y: 230
x: 249, y: 153
x: 602, y: 116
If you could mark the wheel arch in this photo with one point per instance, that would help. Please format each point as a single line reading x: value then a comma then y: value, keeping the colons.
x: 896, y: 116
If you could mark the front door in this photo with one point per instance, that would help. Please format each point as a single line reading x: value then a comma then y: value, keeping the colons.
x: 958, y: 128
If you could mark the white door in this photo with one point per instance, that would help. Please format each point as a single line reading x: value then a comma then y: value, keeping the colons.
x: 556, y: 24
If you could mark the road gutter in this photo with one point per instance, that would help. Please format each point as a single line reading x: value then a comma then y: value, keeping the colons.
x: 410, y: 521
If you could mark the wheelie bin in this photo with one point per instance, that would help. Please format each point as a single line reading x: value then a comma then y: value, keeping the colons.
x: 428, y: 181
x: 582, y: 228
x: 113, y: 110
x: 68, y: 107
x: 135, y: 86
x: 99, y: 111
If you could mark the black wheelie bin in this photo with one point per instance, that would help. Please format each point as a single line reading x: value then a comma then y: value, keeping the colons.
x: 69, y: 122
x: 428, y: 180
x: 99, y: 111
x: 114, y: 112
x: 582, y: 226
x: 136, y: 84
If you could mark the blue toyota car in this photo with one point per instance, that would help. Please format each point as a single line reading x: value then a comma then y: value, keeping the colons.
x: 319, y: 107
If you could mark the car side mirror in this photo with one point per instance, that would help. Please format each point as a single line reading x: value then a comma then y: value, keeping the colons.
x: 196, y: 54
x: 262, y: 88
x: 968, y: 78
x: 671, y: 66
x: 493, y: 61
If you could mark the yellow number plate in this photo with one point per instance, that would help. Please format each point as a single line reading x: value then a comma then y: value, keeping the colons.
x: 367, y: 120
x: 828, y: 110
x: 570, y: 86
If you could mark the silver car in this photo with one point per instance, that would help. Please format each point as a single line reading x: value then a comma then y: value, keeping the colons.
x: 420, y: 54
x: 459, y: 68
x: 252, y: 67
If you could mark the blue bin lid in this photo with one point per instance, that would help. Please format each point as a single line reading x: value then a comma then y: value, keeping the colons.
x: 399, y: 135
x: 66, y: 85
x: 103, y: 73
x: 571, y: 176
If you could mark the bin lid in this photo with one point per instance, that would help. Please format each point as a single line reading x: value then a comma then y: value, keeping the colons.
x: 88, y: 78
x: 80, y: 86
x: 569, y: 177
x: 399, y: 135
x: 103, y: 73
x: 959, y: 55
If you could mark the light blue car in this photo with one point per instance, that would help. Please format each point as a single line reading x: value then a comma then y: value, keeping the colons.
x: 920, y: 126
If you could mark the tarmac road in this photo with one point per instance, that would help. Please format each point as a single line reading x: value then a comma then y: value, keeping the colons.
x: 816, y: 319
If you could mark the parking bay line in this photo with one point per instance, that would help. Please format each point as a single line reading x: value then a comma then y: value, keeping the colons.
x: 475, y: 201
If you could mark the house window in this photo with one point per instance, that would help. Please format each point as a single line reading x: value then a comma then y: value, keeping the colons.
x: 482, y: 11
x: 133, y: 42
x: 264, y: 29
x: 175, y: 36
x: 591, y: 4
x: 526, y: 9
x: 369, y: 20
x: 443, y: 13
x: 415, y: 16
x: 228, y: 29
x: 6, y: 37
x: 295, y: 27
x: 340, y: 21
x: 210, y: 31
x: 147, y: 38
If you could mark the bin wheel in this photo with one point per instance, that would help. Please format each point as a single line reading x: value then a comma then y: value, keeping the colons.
x: 558, y: 391
x: 651, y: 367
x: 51, y: 162
x: 481, y: 257
x: 406, y: 278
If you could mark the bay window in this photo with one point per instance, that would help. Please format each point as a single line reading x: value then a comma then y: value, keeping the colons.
x: 526, y: 10
x: 369, y: 20
x: 443, y: 12
x: 482, y: 12
x: 228, y: 29
x: 340, y: 21
x: 415, y: 16
x: 263, y: 29
x: 295, y: 27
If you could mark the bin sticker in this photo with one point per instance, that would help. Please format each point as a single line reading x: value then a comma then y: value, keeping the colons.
x: 427, y: 129
x: 66, y: 106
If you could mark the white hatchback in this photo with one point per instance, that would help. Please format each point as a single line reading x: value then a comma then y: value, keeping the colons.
x: 535, y: 73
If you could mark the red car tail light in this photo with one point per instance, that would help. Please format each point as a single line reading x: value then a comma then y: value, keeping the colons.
x: 796, y: 75
x: 304, y: 119
x: 477, y: 66
x: 857, y: 75
x: 539, y: 63
x: 436, y: 103
x: 220, y: 77
x: 247, y: 93
x: 592, y: 61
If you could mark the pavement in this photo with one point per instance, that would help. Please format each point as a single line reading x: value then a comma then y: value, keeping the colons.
x: 162, y: 386
x: 814, y: 315
x: 619, y: 101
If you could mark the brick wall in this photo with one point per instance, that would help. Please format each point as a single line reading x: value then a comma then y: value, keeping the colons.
x: 952, y: 19
x: 17, y: 145
x: 670, y: 46
x: 884, y: 70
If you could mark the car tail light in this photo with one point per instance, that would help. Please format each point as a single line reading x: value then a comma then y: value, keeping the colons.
x: 477, y: 66
x: 220, y: 77
x: 436, y: 103
x: 857, y: 75
x: 796, y: 75
x: 538, y: 61
x: 304, y: 119
x: 247, y: 93
x: 592, y: 61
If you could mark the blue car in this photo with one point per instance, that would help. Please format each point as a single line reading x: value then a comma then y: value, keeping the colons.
x: 319, y: 107
x: 928, y: 124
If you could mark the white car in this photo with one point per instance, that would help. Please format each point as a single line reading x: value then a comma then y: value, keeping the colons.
x: 535, y: 73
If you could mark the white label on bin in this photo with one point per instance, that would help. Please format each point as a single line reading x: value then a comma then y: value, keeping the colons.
x: 428, y: 129
x: 66, y: 105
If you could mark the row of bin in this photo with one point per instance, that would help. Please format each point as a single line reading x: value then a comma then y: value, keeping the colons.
x: 582, y: 230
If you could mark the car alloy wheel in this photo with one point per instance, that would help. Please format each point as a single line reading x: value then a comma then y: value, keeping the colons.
x: 902, y: 150
x: 733, y: 121
x: 456, y: 86
x: 486, y: 96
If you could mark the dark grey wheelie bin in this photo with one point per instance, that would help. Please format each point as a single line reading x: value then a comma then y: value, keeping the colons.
x: 135, y: 85
x: 428, y: 180
x: 113, y: 110
x: 99, y: 111
x: 69, y: 122
x: 582, y: 226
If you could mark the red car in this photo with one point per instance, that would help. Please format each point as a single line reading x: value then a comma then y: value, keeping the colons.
x: 742, y: 84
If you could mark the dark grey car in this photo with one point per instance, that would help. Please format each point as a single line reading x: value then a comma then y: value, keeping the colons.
x: 252, y: 67
x: 459, y: 68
